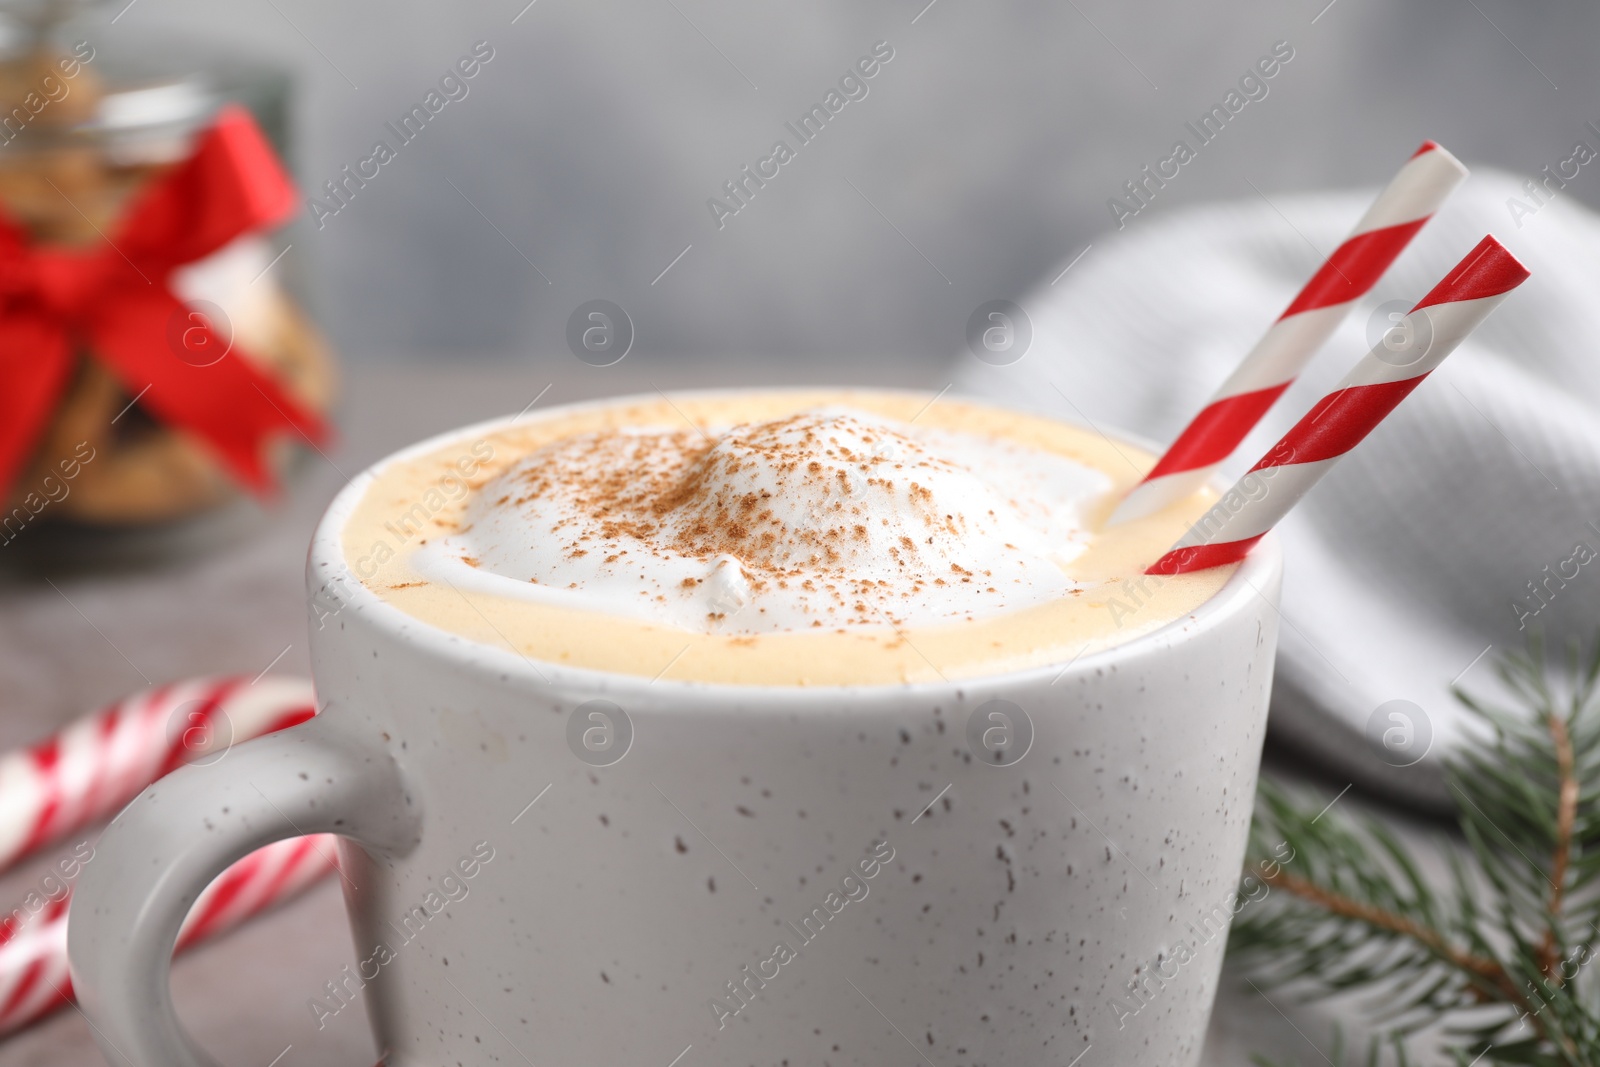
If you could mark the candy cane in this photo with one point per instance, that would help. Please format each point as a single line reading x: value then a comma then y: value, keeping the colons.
x: 99, y: 762
x: 91, y: 769
x: 33, y: 948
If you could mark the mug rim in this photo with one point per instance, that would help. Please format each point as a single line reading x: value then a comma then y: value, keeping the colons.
x: 1256, y: 574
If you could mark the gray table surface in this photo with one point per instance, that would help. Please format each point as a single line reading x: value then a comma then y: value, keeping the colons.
x: 88, y: 639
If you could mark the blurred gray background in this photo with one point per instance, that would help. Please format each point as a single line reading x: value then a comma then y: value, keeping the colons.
x: 980, y: 161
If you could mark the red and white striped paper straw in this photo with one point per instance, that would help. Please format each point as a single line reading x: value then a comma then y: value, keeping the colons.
x: 1422, y: 185
x: 34, y: 979
x: 1339, y: 421
x: 102, y: 760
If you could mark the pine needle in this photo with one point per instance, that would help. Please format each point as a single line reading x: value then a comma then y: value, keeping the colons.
x: 1495, y: 959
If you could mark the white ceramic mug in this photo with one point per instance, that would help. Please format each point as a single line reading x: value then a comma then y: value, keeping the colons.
x: 560, y: 866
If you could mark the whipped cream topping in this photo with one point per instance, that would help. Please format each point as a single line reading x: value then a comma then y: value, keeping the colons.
x: 827, y: 518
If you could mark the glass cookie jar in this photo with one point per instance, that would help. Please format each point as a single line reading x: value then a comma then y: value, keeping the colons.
x: 85, y: 127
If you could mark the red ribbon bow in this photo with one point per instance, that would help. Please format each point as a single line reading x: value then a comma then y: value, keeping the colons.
x: 114, y: 299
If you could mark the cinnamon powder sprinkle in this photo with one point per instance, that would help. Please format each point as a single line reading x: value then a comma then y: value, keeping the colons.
x: 677, y: 492
x: 851, y: 523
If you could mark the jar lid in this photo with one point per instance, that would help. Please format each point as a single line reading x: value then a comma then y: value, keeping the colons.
x: 150, y: 120
x: 147, y: 98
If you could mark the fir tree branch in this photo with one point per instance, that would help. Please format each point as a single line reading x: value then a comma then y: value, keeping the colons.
x: 1497, y: 959
x: 1377, y: 1045
x: 1348, y: 908
x: 1566, y: 817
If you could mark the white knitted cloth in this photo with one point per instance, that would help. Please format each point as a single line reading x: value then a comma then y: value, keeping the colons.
x: 1411, y: 558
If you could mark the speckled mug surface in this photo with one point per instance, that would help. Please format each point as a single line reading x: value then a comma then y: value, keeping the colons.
x: 556, y: 866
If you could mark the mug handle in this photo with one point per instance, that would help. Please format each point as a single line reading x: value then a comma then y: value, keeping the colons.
x: 164, y: 848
